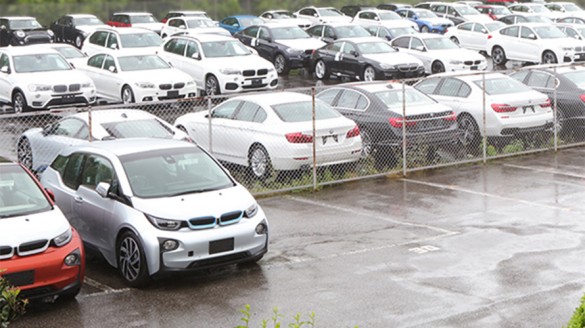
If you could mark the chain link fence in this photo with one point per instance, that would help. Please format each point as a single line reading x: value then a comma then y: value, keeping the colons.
x: 472, y: 117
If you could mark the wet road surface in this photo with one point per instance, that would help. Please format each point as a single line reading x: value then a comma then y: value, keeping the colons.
x: 499, y: 245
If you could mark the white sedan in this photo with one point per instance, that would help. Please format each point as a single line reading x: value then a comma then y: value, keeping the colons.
x: 128, y: 77
x: 511, y: 108
x: 533, y: 43
x: 473, y: 35
x: 38, y: 147
x: 193, y: 25
x: 439, y: 54
x: 36, y: 77
x: 274, y: 131
x: 382, y: 17
x: 219, y: 64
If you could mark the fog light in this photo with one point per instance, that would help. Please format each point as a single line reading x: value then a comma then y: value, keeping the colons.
x: 261, y: 229
x: 73, y: 258
x: 169, y: 245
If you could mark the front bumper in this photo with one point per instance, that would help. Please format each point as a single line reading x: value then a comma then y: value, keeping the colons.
x: 240, y: 83
x: 165, y: 92
x: 467, y: 65
x: 50, y: 99
x: 402, y: 73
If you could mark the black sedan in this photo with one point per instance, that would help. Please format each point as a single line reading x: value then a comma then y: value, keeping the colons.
x: 365, y: 59
x: 377, y: 108
x: 388, y: 33
x: 333, y: 31
x: 570, y: 93
x: 286, y: 46
x: 74, y: 29
x: 22, y: 30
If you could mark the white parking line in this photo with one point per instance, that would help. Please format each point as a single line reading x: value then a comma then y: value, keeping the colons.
x: 105, y: 289
x: 546, y: 170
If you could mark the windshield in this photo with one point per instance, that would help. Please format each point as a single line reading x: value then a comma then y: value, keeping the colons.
x: 24, y: 24
x: 501, y: 11
x: 173, y: 172
x: 224, y: 49
x: 141, y: 19
x: 329, y: 12
x: 302, y: 111
x: 144, y: 128
x: 571, y: 7
x: 289, y: 33
x: 577, y: 77
x: 440, y: 44
x: 549, y: 32
x: 375, y: 48
x: 40, y: 63
x: 412, y: 97
x: 502, y: 85
x: 389, y: 15
x: 494, y: 26
x: 466, y: 10
x: 196, y: 23
x: 142, y: 63
x: 87, y: 21
x: 425, y: 14
x: 540, y: 9
x: 70, y: 52
x: 19, y: 194
x: 140, y: 40
x: 351, y: 31
x: 250, y: 21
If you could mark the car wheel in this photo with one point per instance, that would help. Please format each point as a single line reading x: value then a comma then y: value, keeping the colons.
x: 549, y: 57
x: 127, y: 95
x: 367, y: 146
x: 498, y: 56
x: 24, y: 153
x: 281, y: 65
x: 559, y: 122
x: 468, y: 130
x: 19, y: 102
x: 424, y: 29
x: 259, y: 163
x: 321, y: 70
x: 455, y: 40
x: 131, y: 260
x: 437, y: 67
x: 369, y: 74
x: 78, y: 41
x: 211, y: 86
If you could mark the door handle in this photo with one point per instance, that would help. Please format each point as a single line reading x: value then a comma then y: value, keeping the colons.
x: 78, y: 199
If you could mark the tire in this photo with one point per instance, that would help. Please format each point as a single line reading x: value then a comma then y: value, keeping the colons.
x: 281, y: 65
x: 424, y: 29
x: 560, y: 123
x: 211, y: 86
x: 437, y: 67
x: 455, y: 40
x: 131, y: 260
x: 367, y: 146
x: 369, y: 74
x: 499, y: 56
x: 127, y: 95
x: 78, y: 41
x: 24, y: 153
x: 549, y: 57
x: 321, y: 71
x: 19, y: 102
x: 259, y: 163
x: 468, y: 131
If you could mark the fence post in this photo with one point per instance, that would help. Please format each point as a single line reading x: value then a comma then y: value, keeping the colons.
x: 210, y: 125
x: 314, y: 141
x: 484, y: 119
x: 555, y: 113
x: 90, y: 123
x: 403, y: 129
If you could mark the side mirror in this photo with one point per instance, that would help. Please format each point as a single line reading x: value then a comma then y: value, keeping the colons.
x: 419, y: 48
x: 5, y: 70
x: 196, y: 56
x: 102, y: 189
x: 355, y: 53
x: 315, y: 15
x: 112, y: 69
x: 531, y: 36
x: 377, y: 18
x: 484, y: 31
x: 114, y: 46
x: 182, y: 27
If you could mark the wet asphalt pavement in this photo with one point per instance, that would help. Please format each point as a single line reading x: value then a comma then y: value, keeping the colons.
x: 499, y: 245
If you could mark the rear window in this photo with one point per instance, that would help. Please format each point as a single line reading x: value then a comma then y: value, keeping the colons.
x: 502, y: 85
x: 303, y: 111
x: 19, y: 194
x: 577, y: 77
x: 140, y: 40
x: 147, y: 128
x: 412, y: 97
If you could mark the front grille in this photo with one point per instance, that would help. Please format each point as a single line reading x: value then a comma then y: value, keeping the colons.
x: 408, y: 67
x: 263, y: 71
x: 179, y: 85
x: 74, y: 87
x: 248, y: 72
x: 166, y: 86
x: 60, y: 88
x: 36, y: 246
x: 471, y: 62
x: 231, y: 217
x: 203, y: 222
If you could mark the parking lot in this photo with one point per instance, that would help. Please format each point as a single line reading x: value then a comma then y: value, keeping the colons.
x: 498, y: 245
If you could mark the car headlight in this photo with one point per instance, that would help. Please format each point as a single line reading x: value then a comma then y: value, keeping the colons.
x: 145, y: 85
x: 294, y: 51
x: 271, y: 69
x: 190, y: 82
x: 230, y: 71
x: 20, y: 34
x: 50, y: 33
x: 39, y: 87
x: 164, y: 224
x: 387, y: 66
x: 63, y: 238
x: 87, y: 85
x: 455, y: 62
x: 251, y: 211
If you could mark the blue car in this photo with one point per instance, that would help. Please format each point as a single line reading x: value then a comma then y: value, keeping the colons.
x: 237, y: 23
x: 427, y: 21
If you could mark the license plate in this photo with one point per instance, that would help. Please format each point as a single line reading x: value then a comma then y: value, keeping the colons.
x: 256, y: 82
x: 22, y: 278
x: 527, y: 109
x: 220, y: 246
x: 173, y: 93
x: 473, y: 68
x: 331, y: 139
x: 68, y: 96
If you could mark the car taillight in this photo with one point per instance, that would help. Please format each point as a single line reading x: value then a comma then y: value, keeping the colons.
x: 450, y: 117
x: 398, y: 121
x: 353, y: 132
x: 489, y: 36
x: 546, y: 103
x: 298, y: 137
x: 503, y: 108
x: 582, y: 97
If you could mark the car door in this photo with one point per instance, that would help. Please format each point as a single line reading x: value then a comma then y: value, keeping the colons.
x: 418, y: 49
x: 265, y: 44
x: 55, y: 137
x: 231, y: 24
x: 479, y: 39
x: 194, y: 62
x: 508, y: 39
x: 112, y: 78
x: 69, y: 30
x: 93, y: 71
x: 58, y: 27
x: 332, y: 56
x: 96, y: 43
x: 249, y: 128
x: 174, y: 52
x: 215, y: 132
x: 6, y: 78
x: 465, y: 34
x: 350, y: 62
x: 527, y: 48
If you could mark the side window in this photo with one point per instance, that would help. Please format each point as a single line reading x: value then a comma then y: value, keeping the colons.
x: 192, y: 49
x: 401, y: 42
x: 316, y: 31
x: 4, y: 61
x: 569, y: 31
x: 411, y: 14
x: 507, y: 20
x: 453, y: 88
x: 440, y: 9
x: 520, y: 76
x: 465, y: 27
x: 72, y: 173
x: 364, y: 15
x: 225, y: 110
x: 352, y: 100
x: 59, y: 164
x: 113, y: 41
x: 96, y: 169
x: 176, y: 46
x: 541, y: 80
x: 510, y: 31
x: 525, y: 32
x: 416, y: 44
x: 251, y: 32
x: 329, y: 32
x: 96, y: 61
x: 348, y: 48
x: 328, y: 96
x: 247, y: 112
x: 479, y: 28
x: 68, y: 127
x: 335, y: 46
x: 451, y: 11
x: 260, y: 115
x: 109, y: 62
x: 372, y: 30
x: 264, y: 34
x: 383, y: 33
x: 99, y: 38
x: 428, y: 86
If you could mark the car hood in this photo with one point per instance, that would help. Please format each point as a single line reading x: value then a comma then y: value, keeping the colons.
x: 394, y: 58
x: 399, y: 23
x: 38, y: 226
x: 302, y: 44
x: 210, y: 30
x: 239, y: 62
x: 54, y: 77
x: 190, y: 206
x: 437, y: 21
x: 479, y: 18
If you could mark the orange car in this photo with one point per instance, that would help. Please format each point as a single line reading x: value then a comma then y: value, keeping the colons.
x: 40, y: 253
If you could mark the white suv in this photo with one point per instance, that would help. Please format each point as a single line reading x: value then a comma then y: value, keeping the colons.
x: 36, y: 77
x: 111, y: 39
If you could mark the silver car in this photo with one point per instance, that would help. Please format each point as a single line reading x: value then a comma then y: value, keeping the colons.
x: 153, y: 206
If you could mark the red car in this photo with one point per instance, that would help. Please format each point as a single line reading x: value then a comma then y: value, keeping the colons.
x: 494, y: 11
x: 40, y: 253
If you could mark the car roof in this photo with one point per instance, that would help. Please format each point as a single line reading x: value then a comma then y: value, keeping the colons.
x: 206, y: 37
x: 125, y: 30
x: 373, y: 86
x: 275, y: 98
x: 468, y: 75
x: 121, y: 147
x: 17, y: 17
x: 81, y: 15
x: 337, y: 24
x: 29, y: 50
x: 362, y: 39
x: 187, y: 12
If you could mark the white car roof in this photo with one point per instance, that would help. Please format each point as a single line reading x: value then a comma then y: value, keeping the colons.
x: 125, y: 30
x: 275, y: 97
x: 82, y: 16
x: 113, y: 115
x: 207, y: 37
x: 18, y: 17
x: 470, y: 75
x: 187, y: 12
x: 29, y: 50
